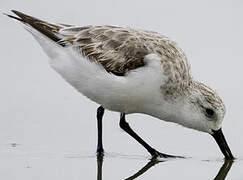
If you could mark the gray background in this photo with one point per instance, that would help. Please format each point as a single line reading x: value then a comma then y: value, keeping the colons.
x: 54, y: 127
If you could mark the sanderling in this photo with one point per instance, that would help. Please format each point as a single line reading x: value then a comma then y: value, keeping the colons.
x: 130, y: 71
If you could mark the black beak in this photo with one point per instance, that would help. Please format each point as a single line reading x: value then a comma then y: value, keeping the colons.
x: 219, y: 138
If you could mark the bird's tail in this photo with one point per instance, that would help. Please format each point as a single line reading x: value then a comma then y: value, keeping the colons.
x: 47, y: 29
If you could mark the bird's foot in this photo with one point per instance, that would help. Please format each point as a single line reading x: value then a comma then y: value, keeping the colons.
x: 162, y: 155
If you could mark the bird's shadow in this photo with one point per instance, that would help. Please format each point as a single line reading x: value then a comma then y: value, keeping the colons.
x: 221, y: 175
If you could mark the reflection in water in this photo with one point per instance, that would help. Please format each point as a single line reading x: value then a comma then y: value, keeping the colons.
x: 150, y: 164
x: 224, y: 170
x: 220, y: 176
x: 99, y: 166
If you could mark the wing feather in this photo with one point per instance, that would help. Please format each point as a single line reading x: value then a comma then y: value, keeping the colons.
x: 117, y: 49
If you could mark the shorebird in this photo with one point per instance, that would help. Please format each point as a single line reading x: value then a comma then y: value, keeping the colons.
x: 130, y: 71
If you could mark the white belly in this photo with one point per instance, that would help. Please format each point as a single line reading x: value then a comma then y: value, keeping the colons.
x: 131, y: 93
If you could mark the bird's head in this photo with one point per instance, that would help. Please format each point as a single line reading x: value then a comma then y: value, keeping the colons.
x: 204, y: 110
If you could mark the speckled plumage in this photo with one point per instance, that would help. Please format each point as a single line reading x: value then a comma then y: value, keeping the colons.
x: 120, y: 50
x: 155, y: 62
x: 130, y: 71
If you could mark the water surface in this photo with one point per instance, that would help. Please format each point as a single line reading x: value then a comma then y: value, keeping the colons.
x: 85, y: 165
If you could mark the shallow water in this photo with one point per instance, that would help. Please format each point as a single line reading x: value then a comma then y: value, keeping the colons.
x: 85, y: 165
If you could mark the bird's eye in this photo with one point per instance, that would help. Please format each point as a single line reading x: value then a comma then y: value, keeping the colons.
x: 209, y: 112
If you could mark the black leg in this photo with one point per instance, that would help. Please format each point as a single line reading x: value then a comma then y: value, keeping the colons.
x: 125, y: 126
x: 100, y: 113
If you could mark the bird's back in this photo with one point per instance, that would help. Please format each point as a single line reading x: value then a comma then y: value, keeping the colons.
x: 118, y: 50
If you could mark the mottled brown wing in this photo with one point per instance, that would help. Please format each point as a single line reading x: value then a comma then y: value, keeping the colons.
x: 117, y: 49
x: 122, y: 49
